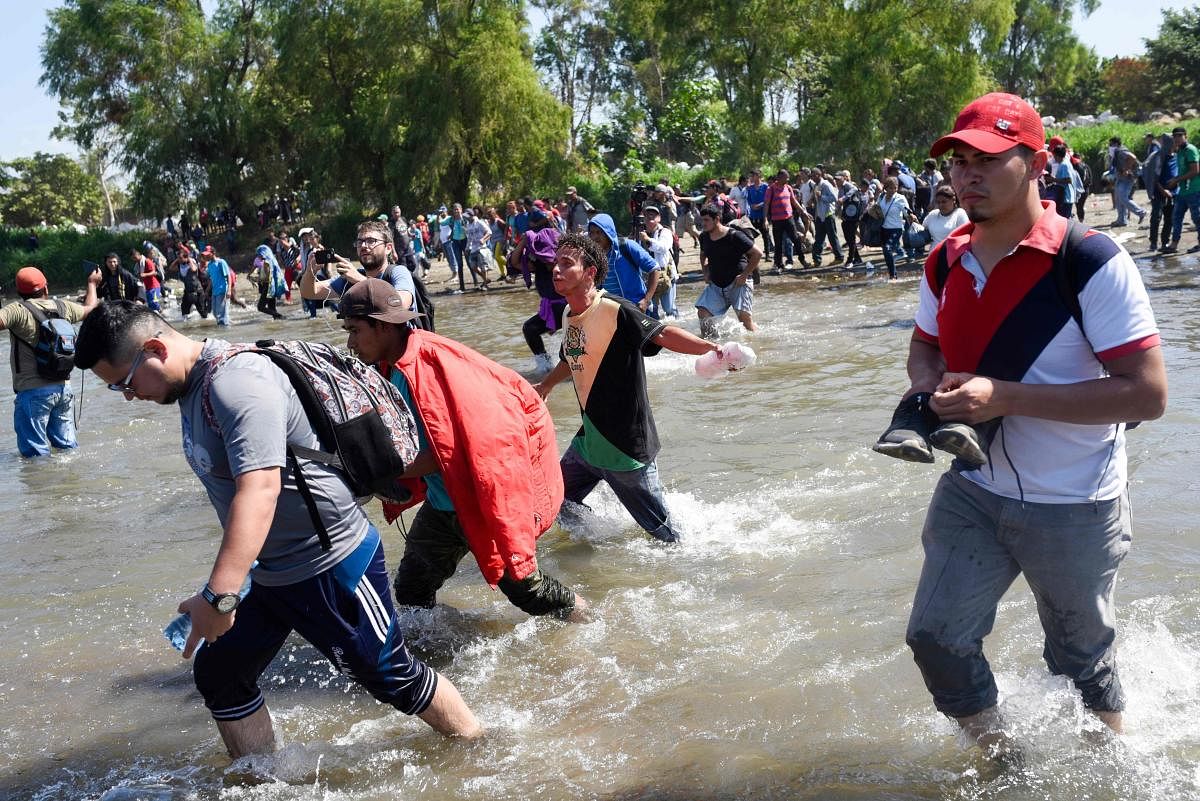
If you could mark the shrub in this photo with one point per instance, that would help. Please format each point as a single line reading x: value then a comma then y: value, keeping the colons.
x: 61, y: 253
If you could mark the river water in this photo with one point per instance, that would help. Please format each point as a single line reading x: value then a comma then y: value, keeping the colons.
x: 762, y: 659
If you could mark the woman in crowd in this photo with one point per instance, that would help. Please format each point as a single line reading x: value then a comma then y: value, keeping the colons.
x: 945, y: 216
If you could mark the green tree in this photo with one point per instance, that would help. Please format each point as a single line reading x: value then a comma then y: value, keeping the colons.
x: 574, y: 51
x: 486, y: 124
x: 1039, y: 52
x: 1084, y: 95
x: 49, y: 188
x: 177, y: 92
x: 898, y: 75
x: 1175, y: 57
x: 1129, y: 86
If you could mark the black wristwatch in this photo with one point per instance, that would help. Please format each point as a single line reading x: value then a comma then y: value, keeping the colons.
x: 224, y: 602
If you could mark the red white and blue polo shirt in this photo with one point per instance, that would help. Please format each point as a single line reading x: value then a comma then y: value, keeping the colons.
x: 1012, y: 325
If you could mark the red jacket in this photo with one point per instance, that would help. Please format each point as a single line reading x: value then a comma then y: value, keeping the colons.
x: 494, y: 442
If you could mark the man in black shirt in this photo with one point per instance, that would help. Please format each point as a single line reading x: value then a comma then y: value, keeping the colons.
x: 117, y: 283
x: 727, y: 258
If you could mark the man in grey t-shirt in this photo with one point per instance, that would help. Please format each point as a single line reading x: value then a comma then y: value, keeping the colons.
x: 335, y: 595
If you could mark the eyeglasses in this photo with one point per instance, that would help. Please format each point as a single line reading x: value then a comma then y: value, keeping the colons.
x: 368, y: 242
x: 127, y: 384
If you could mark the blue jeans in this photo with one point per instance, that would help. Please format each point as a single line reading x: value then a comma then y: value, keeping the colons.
x: 220, y: 308
x: 891, y: 246
x: 1123, y: 188
x: 976, y: 544
x: 456, y: 254
x: 639, y: 491
x: 42, y: 418
x: 1185, y: 204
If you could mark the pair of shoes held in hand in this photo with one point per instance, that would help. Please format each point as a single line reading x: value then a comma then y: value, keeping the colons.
x: 916, y: 430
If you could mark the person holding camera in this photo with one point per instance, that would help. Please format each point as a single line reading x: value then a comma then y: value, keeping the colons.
x: 659, y: 242
x: 375, y: 254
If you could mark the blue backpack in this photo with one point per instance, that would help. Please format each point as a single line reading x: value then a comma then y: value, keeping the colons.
x: 54, y: 346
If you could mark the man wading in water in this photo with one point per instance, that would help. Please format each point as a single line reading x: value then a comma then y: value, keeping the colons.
x: 1003, y: 344
x: 336, y: 597
x: 603, y: 345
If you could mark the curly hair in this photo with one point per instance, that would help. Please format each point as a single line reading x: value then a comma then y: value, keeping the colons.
x: 589, y: 251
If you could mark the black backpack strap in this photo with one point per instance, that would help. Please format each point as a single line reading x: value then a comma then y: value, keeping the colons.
x: 310, y: 502
x: 941, y: 270
x: 39, y: 317
x: 1066, y: 271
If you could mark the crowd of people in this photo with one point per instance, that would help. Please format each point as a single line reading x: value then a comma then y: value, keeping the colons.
x: 1030, y: 385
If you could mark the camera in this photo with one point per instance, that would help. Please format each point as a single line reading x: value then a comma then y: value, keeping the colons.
x: 325, y: 256
x: 637, y: 198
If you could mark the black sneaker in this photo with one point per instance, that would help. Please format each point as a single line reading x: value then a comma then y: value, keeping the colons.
x: 1169, y: 247
x: 964, y: 441
x: 907, y: 435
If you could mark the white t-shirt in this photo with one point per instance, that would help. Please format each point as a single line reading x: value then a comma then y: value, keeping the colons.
x: 939, y: 226
x: 1046, y: 461
x: 895, y: 210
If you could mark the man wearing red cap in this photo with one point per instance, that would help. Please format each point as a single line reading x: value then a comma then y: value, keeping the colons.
x: 996, y: 340
x: 42, y: 410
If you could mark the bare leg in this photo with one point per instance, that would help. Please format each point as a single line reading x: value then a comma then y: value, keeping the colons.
x: 250, y: 735
x: 708, y: 329
x: 449, y: 714
x: 747, y: 321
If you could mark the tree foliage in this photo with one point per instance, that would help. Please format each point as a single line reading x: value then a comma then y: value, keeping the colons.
x: 421, y: 101
x: 51, y: 189
x: 1039, y: 52
x: 1175, y: 57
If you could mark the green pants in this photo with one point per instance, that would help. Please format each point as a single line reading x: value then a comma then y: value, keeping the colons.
x: 435, y: 546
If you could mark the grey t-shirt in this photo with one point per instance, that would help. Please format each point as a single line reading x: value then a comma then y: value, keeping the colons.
x: 259, y: 414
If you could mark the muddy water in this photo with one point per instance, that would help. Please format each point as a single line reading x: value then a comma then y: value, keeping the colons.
x: 762, y: 659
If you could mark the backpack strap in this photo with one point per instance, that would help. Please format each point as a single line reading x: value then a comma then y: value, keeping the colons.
x: 1066, y: 271
x: 941, y: 270
x: 210, y: 418
x: 39, y: 317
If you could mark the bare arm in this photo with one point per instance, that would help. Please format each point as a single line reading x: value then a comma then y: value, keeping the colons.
x: 249, y: 521
x: 553, y: 378
x: 310, y: 287
x: 753, y: 257
x: 1135, y: 389
x: 926, y: 365
x: 90, y: 299
x: 681, y: 340
x: 650, y: 288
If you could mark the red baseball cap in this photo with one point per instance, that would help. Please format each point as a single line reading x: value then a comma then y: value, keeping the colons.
x: 30, y: 280
x: 1055, y: 141
x: 208, y: 251
x: 994, y: 123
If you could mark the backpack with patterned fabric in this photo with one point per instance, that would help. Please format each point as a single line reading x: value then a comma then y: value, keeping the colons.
x: 365, y: 428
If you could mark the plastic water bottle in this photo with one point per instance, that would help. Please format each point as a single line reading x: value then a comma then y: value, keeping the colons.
x: 179, y: 629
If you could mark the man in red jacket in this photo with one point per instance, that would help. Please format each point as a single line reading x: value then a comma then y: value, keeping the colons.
x: 479, y: 424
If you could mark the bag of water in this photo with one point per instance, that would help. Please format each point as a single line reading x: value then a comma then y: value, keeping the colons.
x: 734, y: 356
